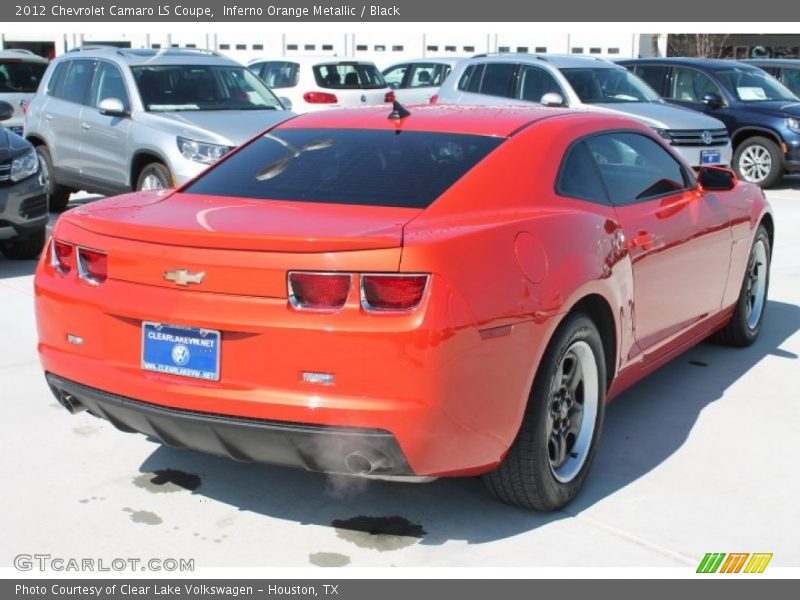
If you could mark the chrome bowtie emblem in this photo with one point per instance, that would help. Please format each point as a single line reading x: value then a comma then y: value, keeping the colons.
x: 707, y: 138
x: 183, y: 276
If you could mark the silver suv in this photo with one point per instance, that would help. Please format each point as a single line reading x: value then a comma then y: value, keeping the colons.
x: 110, y: 120
x: 590, y: 84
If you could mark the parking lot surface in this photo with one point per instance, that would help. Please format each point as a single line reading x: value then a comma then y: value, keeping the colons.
x: 699, y: 457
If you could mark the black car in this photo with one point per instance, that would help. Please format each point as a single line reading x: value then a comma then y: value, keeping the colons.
x: 761, y: 114
x: 23, y: 202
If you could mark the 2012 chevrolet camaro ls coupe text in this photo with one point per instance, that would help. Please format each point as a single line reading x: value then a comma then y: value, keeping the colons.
x: 452, y: 292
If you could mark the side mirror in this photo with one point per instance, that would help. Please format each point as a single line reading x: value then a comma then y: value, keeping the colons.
x: 6, y: 111
x: 712, y: 100
x: 716, y: 179
x: 112, y: 107
x: 552, y: 99
x: 287, y: 104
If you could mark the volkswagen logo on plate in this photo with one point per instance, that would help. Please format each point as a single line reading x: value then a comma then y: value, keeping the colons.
x: 180, y: 354
x: 707, y: 138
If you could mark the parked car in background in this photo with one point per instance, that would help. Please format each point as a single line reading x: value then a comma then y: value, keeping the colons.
x: 785, y: 70
x: 761, y: 114
x: 590, y: 84
x: 317, y: 83
x: 23, y: 202
x: 20, y: 74
x: 416, y: 81
x: 110, y: 120
x: 444, y: 293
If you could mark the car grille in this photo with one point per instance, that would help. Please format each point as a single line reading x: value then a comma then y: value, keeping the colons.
x: 694, y: 137
x: 5, y: 169
x: 35, y: 206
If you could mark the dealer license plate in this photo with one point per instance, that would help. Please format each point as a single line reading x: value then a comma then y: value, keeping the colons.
x: 177, y: 350
x: 710, y: 157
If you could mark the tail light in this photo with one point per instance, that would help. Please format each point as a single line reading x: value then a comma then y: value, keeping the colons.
x: 389, y: 96
x: 318, y: 291
x: 320, y: 98
x: 62, y: 256
x: 434, y: 99
x: 392, y: 292
x: 92, y: 265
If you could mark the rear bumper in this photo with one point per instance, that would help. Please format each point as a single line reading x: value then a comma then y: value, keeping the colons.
x: 311, y: 447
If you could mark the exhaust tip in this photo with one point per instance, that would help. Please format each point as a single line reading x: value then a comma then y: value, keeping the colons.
x: 68, y: 401
x: 366, y: 462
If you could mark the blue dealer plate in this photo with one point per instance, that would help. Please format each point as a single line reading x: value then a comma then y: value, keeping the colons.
x: 177, y: 350
x: 710, y: 157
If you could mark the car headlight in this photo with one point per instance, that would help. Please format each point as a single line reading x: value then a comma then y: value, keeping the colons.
x: 793, y: 124
x: 24, y: 165
x: 201, y: 151
x: 664, y: 133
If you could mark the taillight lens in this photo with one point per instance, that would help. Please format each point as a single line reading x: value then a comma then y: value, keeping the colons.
x: 92, y: 266
x: 389, y: 96
x: 392, y: 292
x: 62, y: 256
x: 318, y: 291
x: 320, y: 98
x: 434, y: 99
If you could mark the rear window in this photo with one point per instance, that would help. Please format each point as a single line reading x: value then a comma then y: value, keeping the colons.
x: 348, y: 76
x: 279, y: 74
x: 347, y: 166
x: 20, y: 77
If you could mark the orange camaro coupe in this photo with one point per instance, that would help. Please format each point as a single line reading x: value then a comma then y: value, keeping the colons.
x: 453, y: 291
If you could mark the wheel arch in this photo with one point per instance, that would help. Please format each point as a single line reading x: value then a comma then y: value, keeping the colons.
x: 769, y: 224
x: 740, y: 135
x: 140, y: 160
x: 598, y: 309
x: 36, y: 140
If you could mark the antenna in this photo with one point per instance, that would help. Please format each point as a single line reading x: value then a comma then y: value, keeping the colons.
x: 398, y: 111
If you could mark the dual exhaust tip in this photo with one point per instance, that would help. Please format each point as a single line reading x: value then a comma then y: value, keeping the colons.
x: 367, y: 462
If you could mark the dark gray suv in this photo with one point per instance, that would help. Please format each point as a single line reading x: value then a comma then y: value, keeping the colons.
x: 23, y: 203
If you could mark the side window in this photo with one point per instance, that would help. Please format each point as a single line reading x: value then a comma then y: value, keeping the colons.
x: 579, y: 176
x: 535, y: 82
x: 394, y: 77
x: 108, y: 83
x: 78, y: 81
x: 440, y: 74
x: 279, y: 74
x: 791, y: 79
x: 691, y: 85
x: 498, y: 79
x: 57, y: 79
x: 471, y: 79
x: 652, y: 75
x: 422, y: 75
x: 636, y: 168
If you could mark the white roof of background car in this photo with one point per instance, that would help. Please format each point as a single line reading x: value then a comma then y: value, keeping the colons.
x: 20, y: 54
x: 149, y: 56
x: 324, y: 59
x: 444, y: 60
x: 559, y: 61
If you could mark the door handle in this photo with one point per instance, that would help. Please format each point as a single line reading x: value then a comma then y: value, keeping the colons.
x: 48, y: 117
x: 85, y: 126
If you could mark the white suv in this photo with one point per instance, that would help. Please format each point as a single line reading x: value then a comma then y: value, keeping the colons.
x: 308, y: 84
x: 590, y: 84
x: 20, y: 74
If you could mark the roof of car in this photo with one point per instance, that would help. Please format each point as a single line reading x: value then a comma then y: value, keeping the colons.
x: 774, y: 62
x: 442, y: 60
x: 501, y: 121
x: 153, y: 56
x: 24, y: 55
x: 707, y: 63
x: 312, y: 60
x: 559, y: 61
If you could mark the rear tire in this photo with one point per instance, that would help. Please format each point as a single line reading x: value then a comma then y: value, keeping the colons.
x: 759, y: 161
x: 745, y: 324
x: 154, y: 176
x: 554, y: 449
x: 57, y: 195
x: 28, y: 247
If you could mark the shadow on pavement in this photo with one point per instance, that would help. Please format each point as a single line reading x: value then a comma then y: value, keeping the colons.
x: 789, y: 182
x: 643, y: 428
x: 16, y: 268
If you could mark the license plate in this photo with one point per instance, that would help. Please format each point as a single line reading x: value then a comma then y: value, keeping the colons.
x: 177, y: 350
x: 710, y: 157
x: 17, y: 130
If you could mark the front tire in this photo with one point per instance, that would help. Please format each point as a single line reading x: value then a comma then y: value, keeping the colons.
x: 28, y: 247
x: 57, y: 195
x: 154, y: 176
x: 760, y: 161
x: 745, y: 324
x: 554, y: 449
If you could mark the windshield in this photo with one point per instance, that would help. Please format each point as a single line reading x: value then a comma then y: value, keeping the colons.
x: 202, y: 87
x: 604, y: 85
x: 20, y: 77
x: 752, y: 85
x: 374, y: 167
